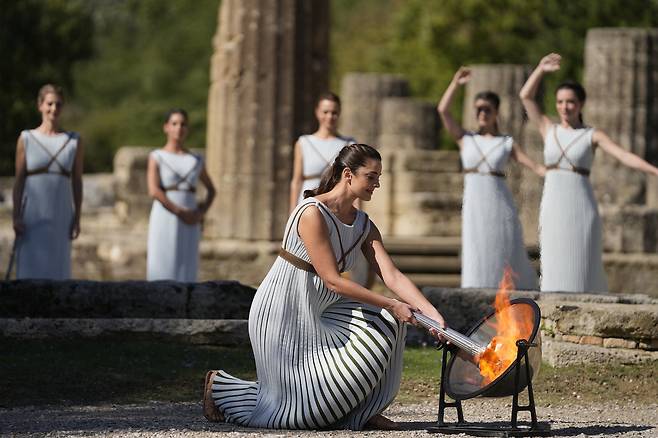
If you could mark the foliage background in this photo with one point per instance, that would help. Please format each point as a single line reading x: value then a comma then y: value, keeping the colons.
x: 123, y: 63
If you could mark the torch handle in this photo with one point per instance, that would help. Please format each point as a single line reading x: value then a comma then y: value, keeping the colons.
x: 461, y: 341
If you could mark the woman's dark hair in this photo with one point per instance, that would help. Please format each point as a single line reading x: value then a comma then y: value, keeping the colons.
x: 328, y: 95
x: 173, y: 111
x: 577, y: 89
x: 492, y: 98
x: 352, y: 157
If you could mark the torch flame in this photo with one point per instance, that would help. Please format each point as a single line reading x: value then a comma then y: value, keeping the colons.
x: 510, y: 327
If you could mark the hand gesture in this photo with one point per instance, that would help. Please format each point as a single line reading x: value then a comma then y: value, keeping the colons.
x: 462, y: 76
x: 436, y: 316
x: 550, y: 63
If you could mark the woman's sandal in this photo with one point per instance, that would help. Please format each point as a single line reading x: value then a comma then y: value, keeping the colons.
x: 210, y: 410
x: 379, y: 422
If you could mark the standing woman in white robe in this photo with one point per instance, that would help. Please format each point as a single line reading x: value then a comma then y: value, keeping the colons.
x: 314, y: 153
x: 492, y: 237
x: 569, y: 221
x: 175, y: 222
x: 47, y: 193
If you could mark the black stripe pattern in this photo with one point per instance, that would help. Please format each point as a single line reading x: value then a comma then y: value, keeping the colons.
x: 323, y: 361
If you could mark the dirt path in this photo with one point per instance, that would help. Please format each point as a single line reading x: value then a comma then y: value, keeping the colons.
x: 184, y: 420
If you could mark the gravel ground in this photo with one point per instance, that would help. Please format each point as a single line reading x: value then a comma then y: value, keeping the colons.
x: 185, y: 420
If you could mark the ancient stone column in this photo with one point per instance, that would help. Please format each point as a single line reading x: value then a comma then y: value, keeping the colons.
x: 407, y: 123
x: 361, y: 95
x: 621, y: 78
x: 506, y: 80
x: 269, y: 64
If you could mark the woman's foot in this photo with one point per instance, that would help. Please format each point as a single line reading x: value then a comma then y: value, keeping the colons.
x: 210, y: 410
x: 379, y: 422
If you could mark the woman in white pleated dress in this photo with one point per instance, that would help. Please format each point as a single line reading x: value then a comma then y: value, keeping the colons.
x: 314, y: 153
x: 174, y: 224
x: 328, y: 351
x: 47, y: 193
x: 569, y: 221
x: 492, y: 237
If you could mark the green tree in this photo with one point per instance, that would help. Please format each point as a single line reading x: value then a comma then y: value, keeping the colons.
x: 150, y: 56
x: 40, y: 40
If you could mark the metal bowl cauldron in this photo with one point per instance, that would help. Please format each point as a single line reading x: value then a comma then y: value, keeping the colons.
x: 463, y: 379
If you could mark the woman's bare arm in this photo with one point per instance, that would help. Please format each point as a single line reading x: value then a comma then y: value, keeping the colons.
x: 19, y: 187
x: 210, y: 190
x: 297, y: 176
x: 528, y: 93
x: 314, y: 233
x: 400, y: 284
x: 443, y: 108
x: 520, y: 156
x: 601, y: 139
x: 76, y: 182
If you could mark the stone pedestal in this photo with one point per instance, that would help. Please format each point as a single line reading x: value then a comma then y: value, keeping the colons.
x: 362, y: 95
x: 407, y: 123
x: 270, y: 64
x: 621, y: 78
x: 506, y: 80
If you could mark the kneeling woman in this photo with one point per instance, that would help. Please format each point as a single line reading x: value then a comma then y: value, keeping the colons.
x: 328, y: 351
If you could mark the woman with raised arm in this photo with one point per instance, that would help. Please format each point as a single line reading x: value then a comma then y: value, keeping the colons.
x: 569, y: 222
x: 328, y: 351
x: 175, y: 223
x: 492, y: 237
x: 47, y: 193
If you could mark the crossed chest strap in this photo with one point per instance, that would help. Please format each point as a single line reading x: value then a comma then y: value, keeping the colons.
x: 483, y: 159
x: 181, y: 178
x: 302, y: 264
x: 563, y: 155
x: 61, y: 170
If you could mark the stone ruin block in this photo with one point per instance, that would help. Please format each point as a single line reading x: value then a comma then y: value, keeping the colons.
x: 361, y: 96
x: 630, y: 228
x: 621, y: 78
x: 407, y: 123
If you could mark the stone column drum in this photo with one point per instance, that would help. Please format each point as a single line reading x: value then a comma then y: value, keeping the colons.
x: 361, y: 96
x: 621, y: 79
x: 270, y: 63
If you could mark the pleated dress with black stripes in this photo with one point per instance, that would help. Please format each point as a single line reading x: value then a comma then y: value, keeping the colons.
x: 322, y: 360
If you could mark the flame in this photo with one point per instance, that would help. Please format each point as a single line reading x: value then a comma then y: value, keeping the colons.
x: 510, y: 327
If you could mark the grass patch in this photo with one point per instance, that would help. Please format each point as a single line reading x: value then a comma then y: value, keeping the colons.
x: 120, y: 370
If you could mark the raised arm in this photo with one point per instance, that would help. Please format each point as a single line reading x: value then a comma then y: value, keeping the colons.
x: 76, y: 182
x: 315, y: 235
x: 528, y: 94
x: 19, y: 187
x: 601, y: 139
x: 522, y: 158
x: 297, y: 176
x: 400, y: 284
x: 462, y: 76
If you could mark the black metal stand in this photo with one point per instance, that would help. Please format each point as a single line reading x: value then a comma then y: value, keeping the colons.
x: 493, y: 429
